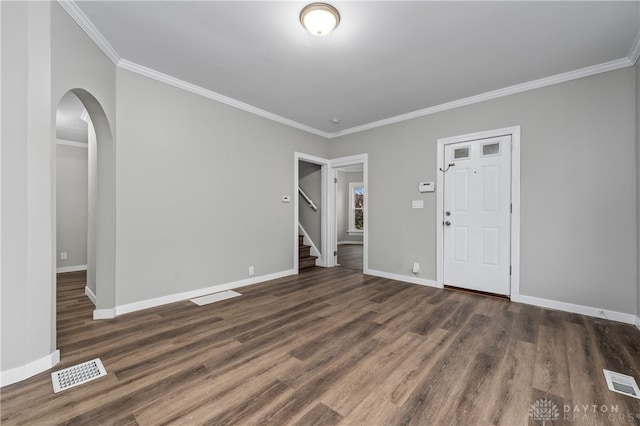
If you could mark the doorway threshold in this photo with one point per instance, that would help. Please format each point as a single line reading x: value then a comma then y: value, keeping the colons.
x: 477, y: 292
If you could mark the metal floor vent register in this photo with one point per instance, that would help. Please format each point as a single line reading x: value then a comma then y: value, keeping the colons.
x: 77, y: 375
x: 621, y: 383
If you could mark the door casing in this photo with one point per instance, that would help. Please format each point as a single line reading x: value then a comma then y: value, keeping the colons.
x: 514, y: 132
x: 328, y: 213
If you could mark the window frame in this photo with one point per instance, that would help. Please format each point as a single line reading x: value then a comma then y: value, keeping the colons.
x: 351, y: 229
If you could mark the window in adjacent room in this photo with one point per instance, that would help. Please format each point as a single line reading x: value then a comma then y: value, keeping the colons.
x: 356, y: 207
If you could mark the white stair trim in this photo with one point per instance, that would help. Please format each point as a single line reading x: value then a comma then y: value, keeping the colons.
x: 308, y: 241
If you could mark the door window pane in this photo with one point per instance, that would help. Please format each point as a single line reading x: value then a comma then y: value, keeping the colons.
x: 461, y: 153
x: 491, y: 149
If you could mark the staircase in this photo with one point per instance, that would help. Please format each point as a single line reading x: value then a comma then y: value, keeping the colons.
x: 305, y: 260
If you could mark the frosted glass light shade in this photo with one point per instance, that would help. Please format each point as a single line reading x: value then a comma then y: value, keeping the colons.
x: 319, y: 18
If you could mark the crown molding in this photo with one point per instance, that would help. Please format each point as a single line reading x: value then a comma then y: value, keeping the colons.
x: 87, y: 26
x: 181, y: 84
x: 634, y: 53
x: 511, y: 90
x: 81, y: 19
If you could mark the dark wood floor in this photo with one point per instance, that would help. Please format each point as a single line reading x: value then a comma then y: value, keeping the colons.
x: 350, y: 256
x: 332, y: 346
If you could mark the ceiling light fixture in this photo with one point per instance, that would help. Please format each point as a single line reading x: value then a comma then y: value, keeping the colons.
x: 319, y: 18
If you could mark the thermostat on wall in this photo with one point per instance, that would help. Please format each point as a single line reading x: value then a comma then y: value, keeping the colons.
x: 426, y: 187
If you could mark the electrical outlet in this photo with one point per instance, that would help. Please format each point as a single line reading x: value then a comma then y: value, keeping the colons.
x: 416, y: 268
x: 63, y: 255
x: 251, y: 270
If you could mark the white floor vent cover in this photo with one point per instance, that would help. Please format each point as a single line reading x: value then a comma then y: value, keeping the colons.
x: 77, y: 375
x: 216, y: 297
x: 621, y: 383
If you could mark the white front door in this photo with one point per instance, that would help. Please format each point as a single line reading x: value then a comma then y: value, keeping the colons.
x: 477, y: 215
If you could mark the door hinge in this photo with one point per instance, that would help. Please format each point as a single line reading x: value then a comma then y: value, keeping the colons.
x: 511, y: 208
x: 509, y: 269
x: 335, y: 253
x: 335, y: 180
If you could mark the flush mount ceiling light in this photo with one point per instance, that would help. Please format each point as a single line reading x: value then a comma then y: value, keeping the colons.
x: 319, y: 18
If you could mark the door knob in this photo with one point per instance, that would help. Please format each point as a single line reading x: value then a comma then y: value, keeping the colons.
x: 447, y: 223
x: 447, y: 213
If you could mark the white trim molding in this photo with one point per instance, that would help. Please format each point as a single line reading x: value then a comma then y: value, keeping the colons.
x: 314, y: 250
x: 72, y: 143
x: 29, y: 369
x: 325, y: 255
x: 634, y: 53
x: 638, y: 322
x: 514, y: 132
x: 74, y: 268
x: 177, y: 297
x: 210, y: 94
x: 511, y: 90
x: 403, y: 278
x: 332, y: 224
x: 90, y: 294
x: 578, y: 309
x: 87, y: 26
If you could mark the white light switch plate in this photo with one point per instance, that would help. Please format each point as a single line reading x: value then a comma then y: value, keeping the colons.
x: 417, y: 204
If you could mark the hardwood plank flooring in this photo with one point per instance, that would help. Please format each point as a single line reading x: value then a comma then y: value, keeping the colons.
x: 332, y: 347
x: 350, y: 256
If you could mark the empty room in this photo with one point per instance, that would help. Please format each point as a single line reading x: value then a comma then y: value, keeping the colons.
x: 341, y: 213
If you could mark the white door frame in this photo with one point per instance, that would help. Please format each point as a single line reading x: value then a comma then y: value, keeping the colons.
x: 514, y: 132
x: 324, y: 238
x: 329, y: 232
x: 332, y: 227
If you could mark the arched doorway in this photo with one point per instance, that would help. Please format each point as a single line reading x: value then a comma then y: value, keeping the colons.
x: 102, y: 241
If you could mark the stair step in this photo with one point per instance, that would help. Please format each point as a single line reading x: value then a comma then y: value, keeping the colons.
x: 307, y: 262
x: 304, y: 251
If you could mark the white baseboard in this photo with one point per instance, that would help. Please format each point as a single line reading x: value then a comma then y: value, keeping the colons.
x: 90, y: 294
x: 359, y: 243
x: 99, y: 314
x: 405, y: 278
x: 638, y: 322
x: 30, y: 369
x: 578, y: 309
x: 71, y: 268
x: 163, y: 300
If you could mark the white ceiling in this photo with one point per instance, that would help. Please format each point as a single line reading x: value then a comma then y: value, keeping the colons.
x: 385, y: 59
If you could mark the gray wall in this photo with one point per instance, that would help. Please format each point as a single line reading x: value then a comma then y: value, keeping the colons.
x: 45, y: 51
x: 578, y: 195
x: 200, y: 188
x: 310, y: 180
x: 28, y: 154
x: 71, y: 204
x: 342, y: 205
x: 77, y: 63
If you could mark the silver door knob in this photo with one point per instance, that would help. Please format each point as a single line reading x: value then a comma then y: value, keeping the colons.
x: 447, y: 223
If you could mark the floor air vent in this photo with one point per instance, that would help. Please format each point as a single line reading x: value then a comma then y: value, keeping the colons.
x: 77, y: 375
x: 621, y: 383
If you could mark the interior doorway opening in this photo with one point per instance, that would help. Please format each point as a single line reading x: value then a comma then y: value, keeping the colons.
x: 350, y: 218
x: 330, y: 234
x: 80, y: 116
